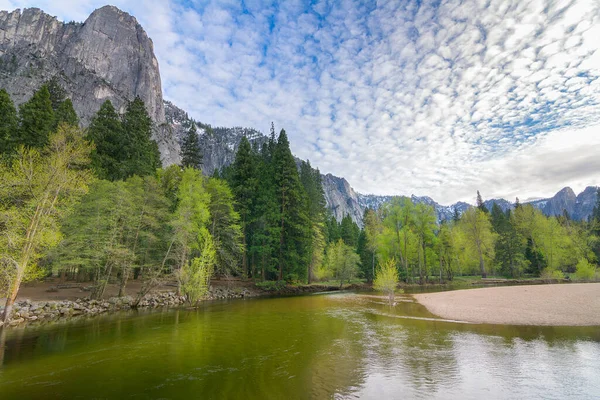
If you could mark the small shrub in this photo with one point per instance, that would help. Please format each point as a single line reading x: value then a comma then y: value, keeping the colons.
x: 271, y: 286
x: 549, y: 274
x: 292, y: 279
x: 585, y: 271
x: 386, y: 279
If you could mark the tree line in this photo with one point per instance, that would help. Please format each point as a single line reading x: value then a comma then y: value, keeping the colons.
x: 513, y: 243
x: 288, y: 233
x: 96, y: 205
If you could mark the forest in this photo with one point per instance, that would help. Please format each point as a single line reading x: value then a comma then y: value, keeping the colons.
x: 95, y: 205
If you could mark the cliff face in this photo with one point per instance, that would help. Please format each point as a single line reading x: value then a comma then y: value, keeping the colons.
x: 109, y: 56
x: 219, y: 145
x: 341, y: 199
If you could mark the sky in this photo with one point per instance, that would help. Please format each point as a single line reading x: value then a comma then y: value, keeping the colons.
x: 435, y: 98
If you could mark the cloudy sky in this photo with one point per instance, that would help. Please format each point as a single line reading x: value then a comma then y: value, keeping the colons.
x: 437, y: 98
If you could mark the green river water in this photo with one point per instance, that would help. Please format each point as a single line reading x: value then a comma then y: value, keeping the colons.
x: 323, y: 346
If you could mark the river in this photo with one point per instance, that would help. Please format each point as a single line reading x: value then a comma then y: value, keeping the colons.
x: 322, y: 346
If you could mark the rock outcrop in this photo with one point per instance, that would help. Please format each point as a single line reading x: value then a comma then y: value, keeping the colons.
x: 109, y: 56
x: 219, y: 145
x: 341, y: 198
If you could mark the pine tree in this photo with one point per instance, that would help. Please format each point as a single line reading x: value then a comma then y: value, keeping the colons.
x: 36, y: 120
x: 244, y: 185
x: 191, y: 152
x: 455, y: 215
x: 293, y: 220
x: 480, y: 204
x: 349, y: 231
x: 65, y: 113
x: 8, y: 122
x: 366, y: 256
x: 333, y: 230
x: 57, y: 93
x: 106, y: 131
x: 141, y: 152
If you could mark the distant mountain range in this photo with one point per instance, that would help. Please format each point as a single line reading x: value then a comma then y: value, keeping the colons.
x: 109, y: 56
x: 579, y: 207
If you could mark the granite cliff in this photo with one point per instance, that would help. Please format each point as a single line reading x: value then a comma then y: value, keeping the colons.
x: 109, y: 56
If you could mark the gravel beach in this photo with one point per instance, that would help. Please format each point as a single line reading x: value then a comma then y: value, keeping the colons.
x: 574, y: 304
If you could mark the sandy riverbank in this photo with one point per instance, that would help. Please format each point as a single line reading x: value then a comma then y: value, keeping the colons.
x: 574, y: 304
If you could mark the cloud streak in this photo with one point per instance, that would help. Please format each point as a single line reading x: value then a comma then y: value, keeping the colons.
x: 400, y: 97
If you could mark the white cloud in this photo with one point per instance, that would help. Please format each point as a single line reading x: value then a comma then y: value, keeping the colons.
x: 397, y: 98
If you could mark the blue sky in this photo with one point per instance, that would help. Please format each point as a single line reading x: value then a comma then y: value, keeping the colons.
x: 437, y: 98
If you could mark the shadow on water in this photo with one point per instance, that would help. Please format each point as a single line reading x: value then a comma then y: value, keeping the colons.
x: 316, y: 346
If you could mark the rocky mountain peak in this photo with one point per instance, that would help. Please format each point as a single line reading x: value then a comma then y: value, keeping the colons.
x: 108, y: 57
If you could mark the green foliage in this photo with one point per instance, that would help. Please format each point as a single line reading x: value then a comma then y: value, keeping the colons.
x: 8, y: 123
x: 316, y: 211
x: 106, y: 131
x: 510, y: 245
x: 224, y: 226
x: 190, y: 234
x: 141, y: 155
x: 349, y: 231
x: 123, y: 147
x: 36, y: 120
x: 480, y: 242
x: 271, y: 286
x: 65, y: 113
x: 341, y: 261
x: 56, y: 92
x: 292, y: 215
x: 195, y: 276
x: 117, y: 227
x: 37, y: 187
x: 244, y: 184
x: 191, y: 152
x: 585, y: 271
x: 550, y: 274
x: 480, y: 204
x: 386, y: 279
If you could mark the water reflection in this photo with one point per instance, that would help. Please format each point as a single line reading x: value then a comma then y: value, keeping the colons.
x: 334, y: 346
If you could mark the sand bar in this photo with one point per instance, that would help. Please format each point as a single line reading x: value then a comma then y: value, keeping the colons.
x: 573, y: 304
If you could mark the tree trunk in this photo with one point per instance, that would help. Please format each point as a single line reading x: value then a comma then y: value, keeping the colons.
x: 245, y: 256
x: 2, y: 344
x: 373, y: 265
x: 424, y: 245
x: 12, y: 296
x: 124, y: 278
x: 482, y: 265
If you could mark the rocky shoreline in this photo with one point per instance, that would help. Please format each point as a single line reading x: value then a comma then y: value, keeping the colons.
x: 32, y: 312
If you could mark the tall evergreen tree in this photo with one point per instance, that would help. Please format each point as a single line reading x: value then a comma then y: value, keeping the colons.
x: 57, y: 93
x: 65, y: 113
x: 244, y: 183
x: 106, y: 131
x: 366, y: 256
x: 36, y: 120
x: 191, y: 152
x: 480, y: 204
x: 349, y: 231
x: 8, y: 122
x: 510, y: 246
x: 333, y: 230
x: 293, y: 220
x: 141, y: 151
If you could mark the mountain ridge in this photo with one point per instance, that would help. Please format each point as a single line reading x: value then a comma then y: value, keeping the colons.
x: 110, y: 56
